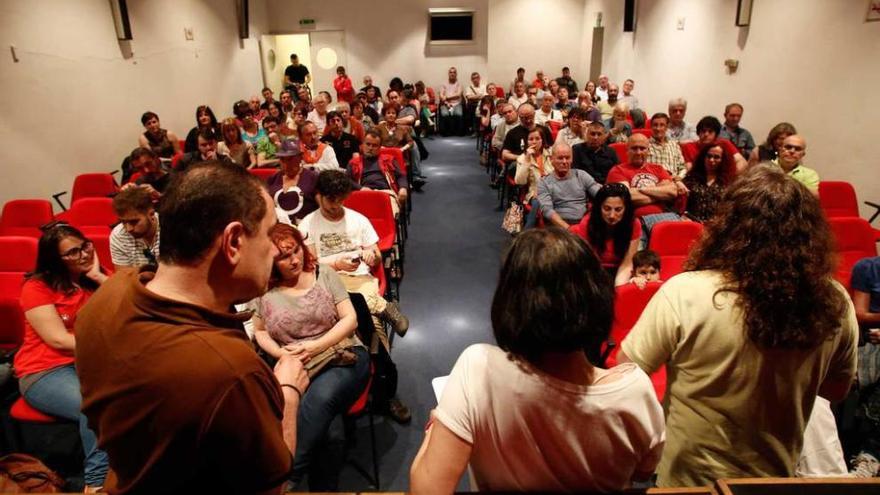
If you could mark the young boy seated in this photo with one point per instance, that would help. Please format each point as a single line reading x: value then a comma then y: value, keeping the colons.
x: 646, y: 268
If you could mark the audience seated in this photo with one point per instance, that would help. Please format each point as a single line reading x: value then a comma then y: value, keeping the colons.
x: 473, y: 93
x: 799, y: 331
x: 679, y: 130
x: 594, y: 156
x: 565, y: 81
x: 518, y: 96
x: 318, y: 116
x: 134, y: 241
x: 590, y: 88
x: 712, y: 172
x: 268, y: 145
x: 631, y: 100
x: 345, y: 145
x: 372, y: 171
x: 174, y: 389
x: 520, y: 77
x: 205, y: 119
x: 664, y: 151
x: 790, y: 159
x: 66, y: 275
x: 607, y: 104
x: 286, y: 100
x: 708, y: 129
x: 206, y: 152
x: 307, y: 314
x: 252, y: 131
x: 565, y: 193
x: 619, y: 130
x: 739, y: 136
x: 293, y: 187
x: 515, y: 139
x: 866, y: 299
x: 563, y: 104
x: 531, y: 167
x: 573, y: 133
x: 535, y: 414
x: 345, y: 240
x: 257, y: 112
x: 613, y: 231
x: 602, y: 89
x: 451, y: 111
x: 394, y: 134
x: 316, y: 154
x: 232, y: 145
x: 546, y: 113
x: 652, y: 188
x: 645, y: 268
x: 510, y: 121
x: 150, y: 172
x: 268, y: 97
x: 368, y: 84
x: 343, y: 86
x: 164, y: 143
x: 770, y: 149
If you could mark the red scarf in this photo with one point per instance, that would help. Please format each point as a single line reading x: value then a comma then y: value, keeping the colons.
x: 310, y: 156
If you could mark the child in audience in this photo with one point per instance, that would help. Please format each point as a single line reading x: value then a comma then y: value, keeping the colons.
x: 646, y: 268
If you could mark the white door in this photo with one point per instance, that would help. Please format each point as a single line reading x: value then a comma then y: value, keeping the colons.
x: 327, y: 50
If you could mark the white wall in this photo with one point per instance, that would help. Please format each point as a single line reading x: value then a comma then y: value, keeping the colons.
x: 72, y: 103
x: 386, y: 38
x: 813, y: 63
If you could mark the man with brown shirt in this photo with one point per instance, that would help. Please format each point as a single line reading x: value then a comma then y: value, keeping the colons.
x: 170, y: 382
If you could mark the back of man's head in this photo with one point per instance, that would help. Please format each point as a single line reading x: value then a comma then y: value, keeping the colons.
x: 332, y: 184
x: 132, y: 199
x: 200, y: 203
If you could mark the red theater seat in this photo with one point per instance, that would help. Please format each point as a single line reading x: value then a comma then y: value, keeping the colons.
x: 23, y: 217
x: 93, y: 186
x: 854, y: 238
x: 620, y: 149
x: 376, y: 206
x: 672, y: 241
x: 22, y: 411
x: 19, y: 257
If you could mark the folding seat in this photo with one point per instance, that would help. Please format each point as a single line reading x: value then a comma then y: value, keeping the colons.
x: 554, y: 126
x: 838, y: 199
x: 102, y: 246
x: 23, y: 217
x: 93, y: 186
x: 644, y: 132
x: 629, y: 303
x: 854, y: 239
x: 92, y: 216
x: 620, y: 149
x: 377, y: 208
x: 19, y: 257
x: 263, y: 173
x: 673, y: 241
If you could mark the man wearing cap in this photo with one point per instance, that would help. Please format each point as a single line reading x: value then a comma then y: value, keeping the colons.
x: 293, y: 188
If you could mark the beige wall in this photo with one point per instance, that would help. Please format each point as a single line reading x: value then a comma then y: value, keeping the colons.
x: 72, y: 104
x: 813, y: 63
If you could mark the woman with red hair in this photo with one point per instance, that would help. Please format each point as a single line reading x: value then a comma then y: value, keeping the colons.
x: 713, y: 170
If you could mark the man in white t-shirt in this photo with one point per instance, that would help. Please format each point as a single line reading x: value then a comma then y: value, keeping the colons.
x: 344, y: 240
x: 546, y: 112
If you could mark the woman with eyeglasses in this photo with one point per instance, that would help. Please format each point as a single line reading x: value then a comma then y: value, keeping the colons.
x: 713, y: 170
x: 612, y: 230
x: 66, y: 275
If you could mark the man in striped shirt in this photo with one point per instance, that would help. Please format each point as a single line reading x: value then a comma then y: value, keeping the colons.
x: 135, y: 240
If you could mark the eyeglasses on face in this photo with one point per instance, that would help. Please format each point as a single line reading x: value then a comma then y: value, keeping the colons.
x: 792, y: 147
x: 713, y: 156
x: 87, y: 247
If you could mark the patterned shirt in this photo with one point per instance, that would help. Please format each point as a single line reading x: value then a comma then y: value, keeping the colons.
x: 125, y: 250
x: 667, y: 154
x: 684, y: 132
x: 741, y: 138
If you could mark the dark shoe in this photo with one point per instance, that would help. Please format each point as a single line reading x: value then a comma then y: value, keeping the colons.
x: 398, y: 411
x: 418, y: 183
x: 399, y: 323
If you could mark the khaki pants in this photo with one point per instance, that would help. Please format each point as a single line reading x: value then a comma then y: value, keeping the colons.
x: 368, y: 286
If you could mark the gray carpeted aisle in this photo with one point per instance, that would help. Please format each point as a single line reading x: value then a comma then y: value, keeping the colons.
x: 452, y: 259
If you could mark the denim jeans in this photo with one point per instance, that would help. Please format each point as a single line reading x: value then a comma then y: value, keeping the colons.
x: 532, y: 215
x: 451, y: 119
x: 57, y: 393
x: 330, y: 394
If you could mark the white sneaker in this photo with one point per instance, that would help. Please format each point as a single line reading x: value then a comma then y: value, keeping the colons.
x: 864, y: 465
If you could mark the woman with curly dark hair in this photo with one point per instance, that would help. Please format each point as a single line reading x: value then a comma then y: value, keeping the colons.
x: 750, y: 334
x: 714, y: 169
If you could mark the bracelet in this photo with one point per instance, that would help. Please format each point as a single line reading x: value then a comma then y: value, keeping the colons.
x: 290, y: 385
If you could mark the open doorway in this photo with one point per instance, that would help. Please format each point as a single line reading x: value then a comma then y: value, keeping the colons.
x: 320, y: 51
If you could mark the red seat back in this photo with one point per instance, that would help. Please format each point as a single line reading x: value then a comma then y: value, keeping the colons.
x: 620, y: 149
x: 432, y: 97
x: 838, y: 199
x: 854, y: 240
x: 644, y: 132
x: 23, y: 217
x: 12, y: 326
x: 554, y: 126
x: 22, y: 411
x: 263, y: 173
x: 92, y: 212
x: 93, y: 186
x: 673, y: 241
x: 629, y: 303
x: 376, y: 206
x: 19, y: 257
x: 499, y: 92
x: 397, y: 154
x: 102, y: 246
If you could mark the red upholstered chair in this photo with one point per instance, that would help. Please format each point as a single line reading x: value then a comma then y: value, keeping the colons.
x: 93, y: 186
x: 838, y: 199
x: 397, y: 154
x: 855, y: 240
x: 644, y: 132
x: 376, y: 206
x: 620, y: 149
x: 12, y: 326
x: 673, y: 241
x: 22, y: 411
x: 554, y: 126
x: 499, y: 92
x: 102, y: 246
x: 432, y: 100
x: 363, y: 405
x: 92, y: 215
x: 19, y: 257
x: 263, y: 173
x: 23, y: 217
x: 175, y: 160
x: 629, y: 303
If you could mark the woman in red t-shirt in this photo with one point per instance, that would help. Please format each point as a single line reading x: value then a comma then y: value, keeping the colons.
x: 612, y: 230
x: 66, y: 275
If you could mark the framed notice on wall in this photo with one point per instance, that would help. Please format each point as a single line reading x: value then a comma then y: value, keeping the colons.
x: 873, y: 11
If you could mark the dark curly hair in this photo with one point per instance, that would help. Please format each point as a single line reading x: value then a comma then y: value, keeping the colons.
x: 770, y: 241
x: 598, y: 231
x: 724, y: 175
x: 552, y: 296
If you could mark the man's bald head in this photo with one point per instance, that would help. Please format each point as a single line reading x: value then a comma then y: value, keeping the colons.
x: 637, y: 149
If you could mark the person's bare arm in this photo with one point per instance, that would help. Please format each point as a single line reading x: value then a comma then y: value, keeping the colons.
x: 556, y: 220
x: 867, y: 319
x: 638, y: 198
x: 508, y: 156
x: 753, y: 158
x: 142, y: 142
x: 289, y: 371
x: 264, y: 340
x: 440, y: 462
x: 625, y: 269
x: 47, y: 323
x: 175, y: 142
x: 741, y: 163
x: 408, y: 120
x: 664, y: 191
x: 371, y: 255
x: 343, y: 328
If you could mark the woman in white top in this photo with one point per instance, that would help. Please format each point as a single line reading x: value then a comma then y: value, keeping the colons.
x: 535, y: 414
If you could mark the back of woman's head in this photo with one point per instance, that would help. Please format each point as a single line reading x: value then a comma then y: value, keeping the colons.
x: 770, y: 241
x: 552, y: 296
x: 598, y: 231
x: 777, y: 130
x: 50, y: 267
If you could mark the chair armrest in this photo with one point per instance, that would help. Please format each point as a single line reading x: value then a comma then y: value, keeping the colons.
x: 876, y: 213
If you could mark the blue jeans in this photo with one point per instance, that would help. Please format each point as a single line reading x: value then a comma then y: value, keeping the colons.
x: 532, y: 216
x: 451, y: 119
x: 330, y: 394
x: 57, y: 393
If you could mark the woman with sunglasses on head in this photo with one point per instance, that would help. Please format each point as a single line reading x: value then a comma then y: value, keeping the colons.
x: 305, y: 314
x: 713, y: 170
x: 612, y: 230
x: 66, y: 275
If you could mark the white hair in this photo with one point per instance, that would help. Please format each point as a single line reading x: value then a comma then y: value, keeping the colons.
x: 678, y: 102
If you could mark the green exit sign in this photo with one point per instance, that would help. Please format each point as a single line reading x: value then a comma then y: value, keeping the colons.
x: 306, y: 22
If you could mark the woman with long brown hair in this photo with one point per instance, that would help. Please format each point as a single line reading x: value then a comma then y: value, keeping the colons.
x: 750, y: 334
